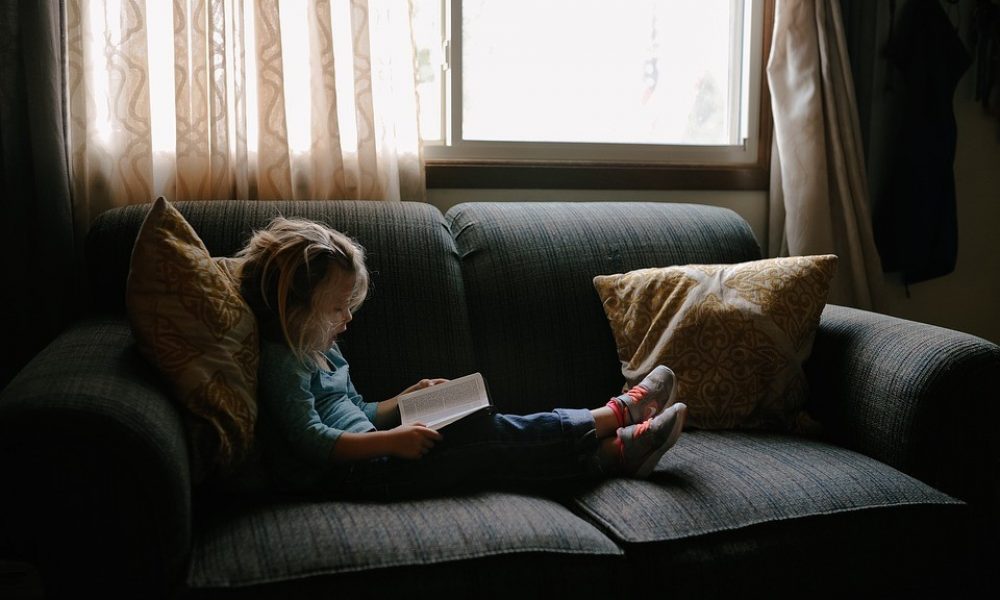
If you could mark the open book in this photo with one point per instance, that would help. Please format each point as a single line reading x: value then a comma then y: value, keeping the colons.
x: 444, y: 403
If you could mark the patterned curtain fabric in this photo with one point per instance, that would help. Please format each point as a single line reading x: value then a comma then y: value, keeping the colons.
x: 819, y: 192
x: 269, y: 100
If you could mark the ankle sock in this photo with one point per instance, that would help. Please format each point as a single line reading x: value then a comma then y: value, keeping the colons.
x: 645, y: 400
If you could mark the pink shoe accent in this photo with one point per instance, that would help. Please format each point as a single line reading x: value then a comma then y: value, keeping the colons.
x: 637, y: 393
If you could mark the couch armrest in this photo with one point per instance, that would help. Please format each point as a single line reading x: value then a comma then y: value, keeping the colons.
x: 97, y: 486
x: 918, y: 397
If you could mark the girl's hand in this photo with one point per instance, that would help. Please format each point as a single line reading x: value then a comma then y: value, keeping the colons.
x: 412, y: 441
x: 387, y: 413
x: 423, y: 383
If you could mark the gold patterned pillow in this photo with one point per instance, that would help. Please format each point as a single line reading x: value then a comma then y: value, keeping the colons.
x: 735, y: 335
x: 192, y: 324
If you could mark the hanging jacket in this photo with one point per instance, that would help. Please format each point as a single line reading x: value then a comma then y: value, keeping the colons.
x: 914, y: 213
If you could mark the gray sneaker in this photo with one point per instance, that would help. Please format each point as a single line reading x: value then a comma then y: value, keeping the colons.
x: 646, y: 400
x: 642, y: 445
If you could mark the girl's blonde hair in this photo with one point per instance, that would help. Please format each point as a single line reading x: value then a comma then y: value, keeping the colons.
x: 282, y: 266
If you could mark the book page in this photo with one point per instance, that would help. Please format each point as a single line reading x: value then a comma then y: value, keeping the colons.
x: 444, y: 403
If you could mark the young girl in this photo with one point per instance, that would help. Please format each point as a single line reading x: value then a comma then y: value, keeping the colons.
x: 303, y: 281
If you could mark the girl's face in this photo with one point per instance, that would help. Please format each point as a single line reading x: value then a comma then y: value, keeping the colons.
x: 331, y: 307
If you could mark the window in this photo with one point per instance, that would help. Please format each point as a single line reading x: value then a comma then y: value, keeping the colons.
x: 597, y: 82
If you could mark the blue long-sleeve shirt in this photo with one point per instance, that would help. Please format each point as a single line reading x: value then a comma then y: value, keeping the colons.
x: 309, y: 407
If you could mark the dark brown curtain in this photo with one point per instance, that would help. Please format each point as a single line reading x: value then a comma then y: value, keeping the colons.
x: 40, y: 270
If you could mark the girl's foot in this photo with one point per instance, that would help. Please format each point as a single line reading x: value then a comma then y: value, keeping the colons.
x: 641, y: 446
x: 646, y: 400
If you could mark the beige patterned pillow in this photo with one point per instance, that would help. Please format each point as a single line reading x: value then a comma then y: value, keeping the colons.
x: 735, y: 335
x: 192, y: 324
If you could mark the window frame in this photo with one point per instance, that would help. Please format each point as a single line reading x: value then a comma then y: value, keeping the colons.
x: 445, y: 170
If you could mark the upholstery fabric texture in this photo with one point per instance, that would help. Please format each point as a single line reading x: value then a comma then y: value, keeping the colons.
x: 264, y: 542
x: 111, y: 469
x: 910, y: 395
x: 713, y: 481
x: 191, y: 322
x: 735, y: 335
x: 528, y: 270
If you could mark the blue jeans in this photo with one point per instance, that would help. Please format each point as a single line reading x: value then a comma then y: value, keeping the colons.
x: 483, y: 449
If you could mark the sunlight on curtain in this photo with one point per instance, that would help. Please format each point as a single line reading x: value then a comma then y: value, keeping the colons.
x: 205, y: 99
x: 819, y: 192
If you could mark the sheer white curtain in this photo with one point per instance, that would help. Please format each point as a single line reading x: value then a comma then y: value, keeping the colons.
x: 819, y: 193
x: 252, y: 99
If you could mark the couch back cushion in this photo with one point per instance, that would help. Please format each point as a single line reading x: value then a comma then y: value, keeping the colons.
x: 541, y: 335
x: 414, y: 323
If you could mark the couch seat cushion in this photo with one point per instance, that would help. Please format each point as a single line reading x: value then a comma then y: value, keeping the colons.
x: 717, y: 481
x: 766, y: 515
x: 280, y: 541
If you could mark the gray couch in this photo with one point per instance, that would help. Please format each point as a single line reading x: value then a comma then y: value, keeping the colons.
x: 900, y: 495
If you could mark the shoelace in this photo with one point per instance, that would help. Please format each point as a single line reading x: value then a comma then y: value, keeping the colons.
x: 637, y: 393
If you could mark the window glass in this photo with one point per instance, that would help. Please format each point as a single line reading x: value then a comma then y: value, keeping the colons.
x: 496, y: 75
